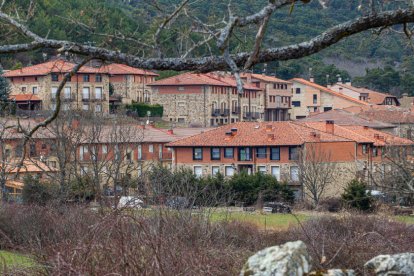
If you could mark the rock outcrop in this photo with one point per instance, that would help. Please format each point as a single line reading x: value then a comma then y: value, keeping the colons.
x: 291, y: 258
x: 398, y: 264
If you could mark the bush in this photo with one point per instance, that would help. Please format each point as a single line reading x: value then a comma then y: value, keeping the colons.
x: 355, y: 196
x: 141, y: 109
x: 35, y: 192
x: 349, y: 241
x: 250, y: 188
x: 332, y: 204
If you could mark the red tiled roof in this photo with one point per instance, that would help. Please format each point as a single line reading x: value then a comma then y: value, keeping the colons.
x: 343, y: 117
x: 25, y: 98
x: 258, y: 134
x: 327, y: 90
x: 265, y: 78
x: 374, y: 97
x: 122, y: 69
x: 54, y: 66
x: 213, y: 79
x: 287, y: 133
x: 384, y: 113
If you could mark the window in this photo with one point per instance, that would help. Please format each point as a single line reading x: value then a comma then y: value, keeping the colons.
x: 139, y: 152
x: 54, y: 92
x: 84, y: 170
x: 293, y: 153
x: 151, y: 148
x: 198, y: 171
x: 215, y: 170
x: 261, y: 152
x: 98, y: 93
x: 296, y: 103
x: 104, y: 150
x: 44, y: 146
x: 55, y: 77
x: 66, y: 106
x: 261, y: 169
x: 181, y: 88
x: 32, y: 151
x: 374, y: 151
x: 298, y: 90
x: 128, y: 155
x: 229, y: 171
x: 34, y: 90
x: 19, y: 151
x: 52, y: 164
x: 98, y: 78
x: 294, y: 173
x: 315, y: 98
x: 85, y: 107
x: 67, y: 92
x: 24, y: 89
x: 215, y: 153
x: 245, y: 154
x: 364, y: 149
x: 85, y: 93
x: 160, y: 151
x: 197, y: 154
x: 83, y: 150
x: 276, y: 172
x: 275, y: 153
x: 327, y: 108
x: 228, y: 153
x: 53, y: 106
x: 98, y: 108
x: 85, y: 78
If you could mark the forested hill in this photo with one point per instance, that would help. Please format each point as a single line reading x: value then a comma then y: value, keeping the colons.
x: 88, y: 20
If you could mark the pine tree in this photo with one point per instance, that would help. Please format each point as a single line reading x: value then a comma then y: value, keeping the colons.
x: 4, y: 92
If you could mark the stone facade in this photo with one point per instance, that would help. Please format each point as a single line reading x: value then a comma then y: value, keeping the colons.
x: 132, y: 88
x: 71, y: 95
x: 208, y: 105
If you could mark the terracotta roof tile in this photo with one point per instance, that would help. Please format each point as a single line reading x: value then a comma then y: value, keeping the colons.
x: 24, y: 97
x: 374, y: 97
x: 327, y: 90
x: 265, y: 78
x: 258, y: 134
x: 384, y: 113
x: 122, y: 69
x: 42, y: 69
x: 213, y: 79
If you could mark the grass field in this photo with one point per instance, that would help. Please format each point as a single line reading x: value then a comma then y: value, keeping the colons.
x: 11, y: 259
x: 264, y: 221
x: 406, y: 219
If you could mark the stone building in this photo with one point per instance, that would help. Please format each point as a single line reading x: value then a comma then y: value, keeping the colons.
x: 207, y: 99
x: 277, y: 95
x: 309, y: 97
x: 275, y: 148
x: 86, y: 90
x: 129, y: 83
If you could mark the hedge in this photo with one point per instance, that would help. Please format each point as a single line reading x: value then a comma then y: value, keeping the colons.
x: 141, y: 109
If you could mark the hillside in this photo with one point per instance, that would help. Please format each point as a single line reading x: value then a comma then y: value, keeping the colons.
x: 85, y: 21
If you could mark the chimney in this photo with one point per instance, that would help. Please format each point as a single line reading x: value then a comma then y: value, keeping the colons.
x: 330, y: 126
x: 170, y: 131
x: 348, y: 82
x: 339, y: 78
x: 269, y: 127
x: 233, y: 131
x: 270, y: 136
x: 311, y: 79
x: 376, y: 136
x: 229, y: 135
x: 365, y: 127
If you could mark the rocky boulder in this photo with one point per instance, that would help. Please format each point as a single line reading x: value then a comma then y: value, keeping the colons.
x: 398, y: 264
x: 291, y: 258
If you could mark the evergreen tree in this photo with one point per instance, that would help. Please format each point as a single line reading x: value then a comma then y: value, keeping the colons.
x: 356, y: 196
x: 4, y: 92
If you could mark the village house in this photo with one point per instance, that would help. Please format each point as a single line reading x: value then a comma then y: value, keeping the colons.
x: 34, y: 87
x: 309, y: 97
x: 277, y: 95
x: 275, y: 147
x: 364, y: 94
x: 207, y: 99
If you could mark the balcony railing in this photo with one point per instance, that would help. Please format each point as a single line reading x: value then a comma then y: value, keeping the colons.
x: 235, y: 110
x: 225, y: 112
x: 215, y: 112
x: 251, y: 115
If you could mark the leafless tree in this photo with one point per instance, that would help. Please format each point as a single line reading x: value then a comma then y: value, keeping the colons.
x: 316, y: 171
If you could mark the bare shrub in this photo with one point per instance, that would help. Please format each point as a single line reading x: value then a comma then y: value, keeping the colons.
x: 350, y: 240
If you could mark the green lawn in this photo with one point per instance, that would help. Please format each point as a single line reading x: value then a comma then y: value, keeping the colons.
x: 264, y: 221
x: 406, y: 219
x: 11, y: 259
